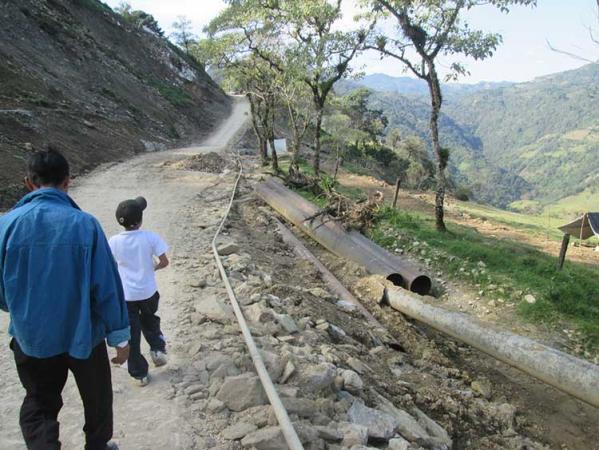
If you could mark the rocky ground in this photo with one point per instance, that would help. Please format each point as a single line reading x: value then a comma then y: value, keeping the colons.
x: 340, y: 388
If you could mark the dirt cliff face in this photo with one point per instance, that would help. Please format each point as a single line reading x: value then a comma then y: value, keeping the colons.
x: 74, y: 74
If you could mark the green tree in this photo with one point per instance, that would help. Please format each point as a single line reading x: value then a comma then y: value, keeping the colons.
x: 139, y: 19
x: 421, y: 170
x: 364, y: 118
x: 393, y: 138
x: 321, y: 50
x: 296, y: 100
x: 251, y: 75
x: 183, y: 34
x: 340, y: 133
x: 426, y: 30
x: 300, y: 37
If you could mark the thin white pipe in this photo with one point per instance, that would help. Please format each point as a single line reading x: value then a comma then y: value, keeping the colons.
x: 289, y: 432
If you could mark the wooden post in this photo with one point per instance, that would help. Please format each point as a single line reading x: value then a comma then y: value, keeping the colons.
x: 562, y: 252
x: 397, y: 184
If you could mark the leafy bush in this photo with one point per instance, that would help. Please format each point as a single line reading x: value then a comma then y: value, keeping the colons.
x: 326, y: 182
x: 380, y: 158
x: 462, y: 193
x: 138, y: 18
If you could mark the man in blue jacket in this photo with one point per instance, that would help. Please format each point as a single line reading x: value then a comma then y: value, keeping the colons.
x: 61, y: 286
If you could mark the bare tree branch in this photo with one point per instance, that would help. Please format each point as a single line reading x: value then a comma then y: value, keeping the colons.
x: 570, y: 54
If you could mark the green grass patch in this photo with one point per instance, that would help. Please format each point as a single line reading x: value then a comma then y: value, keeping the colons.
x: 174, y: 94
x: 354, y: 193
x: 509, y: 268
x: 542, y: 226
x: 304, y: 166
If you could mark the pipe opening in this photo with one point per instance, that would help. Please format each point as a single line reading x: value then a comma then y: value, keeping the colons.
x: 397, y: 280
x: 421, y: 285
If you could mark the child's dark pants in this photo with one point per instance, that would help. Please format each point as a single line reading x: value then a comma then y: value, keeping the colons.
x: 143, y: 319
x: 44, y: 379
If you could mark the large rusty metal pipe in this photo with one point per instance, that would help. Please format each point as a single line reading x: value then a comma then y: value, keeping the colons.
x: 331, y: 235
x: 572, y: 375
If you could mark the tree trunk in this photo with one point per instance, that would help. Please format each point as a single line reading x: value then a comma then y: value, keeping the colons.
x: 319, y: 108
x: 296, y: 141
x: 336, y: 170
x: 264, y: 120
x: 442, y: 157
x: 263, y: 151
x: 271, y: 135
x: 274, y: 157
x: 296, y: 153
x: 261, y: 141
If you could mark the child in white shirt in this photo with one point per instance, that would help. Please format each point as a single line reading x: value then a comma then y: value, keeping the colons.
x: 139, y: 254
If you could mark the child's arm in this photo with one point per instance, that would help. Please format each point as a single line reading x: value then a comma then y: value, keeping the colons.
x: 162, y: 262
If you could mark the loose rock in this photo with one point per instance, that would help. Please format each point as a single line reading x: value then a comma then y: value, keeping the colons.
x: 318, y: 378
x: 238, y: 431
x: 270, y: 438
x: 227, y: 249
x: 380, y: 425
x: 242, y: 392
x: 482, y: 387
x: 398, y: 443
x: 329, y: 433
x: 289, y: 370
x: 287, y: 323
x: 214, y: 309
x: 353, y: 434
x: 352, y: 381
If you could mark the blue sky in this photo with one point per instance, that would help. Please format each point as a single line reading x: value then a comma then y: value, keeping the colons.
x: 523, y: 55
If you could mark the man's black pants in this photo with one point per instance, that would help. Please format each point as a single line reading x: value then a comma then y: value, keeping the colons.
x: 44, y: 379
x: 143, y: 319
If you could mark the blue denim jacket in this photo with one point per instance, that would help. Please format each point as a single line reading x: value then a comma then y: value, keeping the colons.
x: 58, y: 279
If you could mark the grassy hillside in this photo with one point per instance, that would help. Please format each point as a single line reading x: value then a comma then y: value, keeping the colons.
x: 575, y: 205
x: 75, y: 74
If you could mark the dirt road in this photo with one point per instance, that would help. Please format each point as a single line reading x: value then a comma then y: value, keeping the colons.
x: 151, y: 417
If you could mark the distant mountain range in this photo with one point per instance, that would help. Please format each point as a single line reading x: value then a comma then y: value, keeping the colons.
x: 408, y: 85
x: 513, y: 144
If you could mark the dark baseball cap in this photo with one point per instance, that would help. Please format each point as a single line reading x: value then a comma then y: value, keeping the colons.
x: 130, y: 212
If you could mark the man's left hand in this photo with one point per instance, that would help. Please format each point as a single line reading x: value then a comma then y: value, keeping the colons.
x: 122, y: 355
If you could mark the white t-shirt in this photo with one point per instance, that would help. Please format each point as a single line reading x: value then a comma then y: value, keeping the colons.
x: 134, y: 252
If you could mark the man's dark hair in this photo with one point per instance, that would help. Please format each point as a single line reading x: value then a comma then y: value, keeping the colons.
x: 48, y: 167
